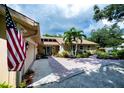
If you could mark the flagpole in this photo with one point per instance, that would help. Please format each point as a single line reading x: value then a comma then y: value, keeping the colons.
x: 8, y: 70
x: 5, y: 5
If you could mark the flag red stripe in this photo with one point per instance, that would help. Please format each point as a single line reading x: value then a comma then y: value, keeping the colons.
x: 21, y: 66
x: 19, y: 36
x: 16, y: 37
x: 10, y: 65
x: 14, y: 43
x: 12, y: 54
x: 12, y: 47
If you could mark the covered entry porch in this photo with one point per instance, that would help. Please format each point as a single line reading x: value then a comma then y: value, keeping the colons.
x: 50, y: 50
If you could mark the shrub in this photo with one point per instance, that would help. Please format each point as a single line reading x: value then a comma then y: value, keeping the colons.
x: 22, y: 84
x: 5, y: 85
x: 29, y: 72
x: 28, y: 77
x: 102, y: 55
x: 101, y: 49
x: 83, y: 55
x: 117, y: 54
x: 114, y: 55
x: 120, y: 54
x: 59, y: 55
x: 64, y: 54
x: 79, y: 55
x: 89, y: 52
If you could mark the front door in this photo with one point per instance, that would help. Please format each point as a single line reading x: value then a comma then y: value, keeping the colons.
x: 48, y: 50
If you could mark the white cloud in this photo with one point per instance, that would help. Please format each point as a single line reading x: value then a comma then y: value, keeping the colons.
x: 121, y: 24
x: 61, y: 16
x: 106, y: 22
x: 71, y: 10
x: 94, y: 26
x: 16, y: 7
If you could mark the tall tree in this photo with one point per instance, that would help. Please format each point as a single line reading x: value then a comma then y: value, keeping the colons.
x: 110, y: 12
x: 68, y: 39
x: 74, y: 35
x: 107, y: 36
x: 49, y: 35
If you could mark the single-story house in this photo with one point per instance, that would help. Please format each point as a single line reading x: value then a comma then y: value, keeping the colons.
x: 31, y: 34
x: 53, y: 45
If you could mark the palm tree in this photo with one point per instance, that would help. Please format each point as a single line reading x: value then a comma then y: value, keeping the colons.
x: 68, y: 39
x: 78, y: 35
x: 73, y: 35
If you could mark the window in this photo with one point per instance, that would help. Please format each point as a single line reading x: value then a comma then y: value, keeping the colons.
x: 45, y: 39
x: 88, y: 47
x: 81, y: 47
x: 50, y: 40
x: 42, y: 40
x: 54, y: 40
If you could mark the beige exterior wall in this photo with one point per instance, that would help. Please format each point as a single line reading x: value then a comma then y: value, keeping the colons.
x: 5, y: 75
x: 62, y: 47
x: 30, y: 54
x: 10, y: 77
x: 87, y: 47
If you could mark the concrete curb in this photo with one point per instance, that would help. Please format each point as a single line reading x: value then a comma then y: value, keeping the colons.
x: 71, y: 75
x: 62, y: 78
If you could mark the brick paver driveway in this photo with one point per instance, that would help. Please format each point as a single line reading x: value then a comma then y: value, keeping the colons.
x: 96, y: 72
x: 41, y: 68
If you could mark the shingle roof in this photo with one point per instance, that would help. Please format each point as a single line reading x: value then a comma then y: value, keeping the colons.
x: 51, y: 43
x: 61, y: 41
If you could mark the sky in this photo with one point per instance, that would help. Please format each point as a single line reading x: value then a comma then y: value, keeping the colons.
x: 58, y: 18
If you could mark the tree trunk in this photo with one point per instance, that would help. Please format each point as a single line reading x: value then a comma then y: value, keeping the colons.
x: 72, y: 49
x: 76, y: 49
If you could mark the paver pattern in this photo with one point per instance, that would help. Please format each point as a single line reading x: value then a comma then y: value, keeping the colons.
x: 96, y: 73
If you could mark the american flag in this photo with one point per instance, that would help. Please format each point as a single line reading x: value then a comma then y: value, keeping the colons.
x: 16, y: 53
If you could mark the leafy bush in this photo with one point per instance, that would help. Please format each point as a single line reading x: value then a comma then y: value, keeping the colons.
x: 102, y: 55
x: 5, y: 85
x: 64, y: 54
x: 120, y: 54
x: 101, y: 49
x: 29, y: 72
x: 92, y: 52
x: 83, y: 55
x: 28, y: 77
x: 114, y: 55
x: 79, y: 56
x: 89, y: 53
x: 59, y: 55
x: 22, y: 85
x: 117, y: 54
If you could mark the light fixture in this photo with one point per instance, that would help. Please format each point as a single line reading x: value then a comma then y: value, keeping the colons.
x: 27, y: 45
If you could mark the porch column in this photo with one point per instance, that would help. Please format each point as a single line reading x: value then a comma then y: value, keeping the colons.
x: 61, y: 48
